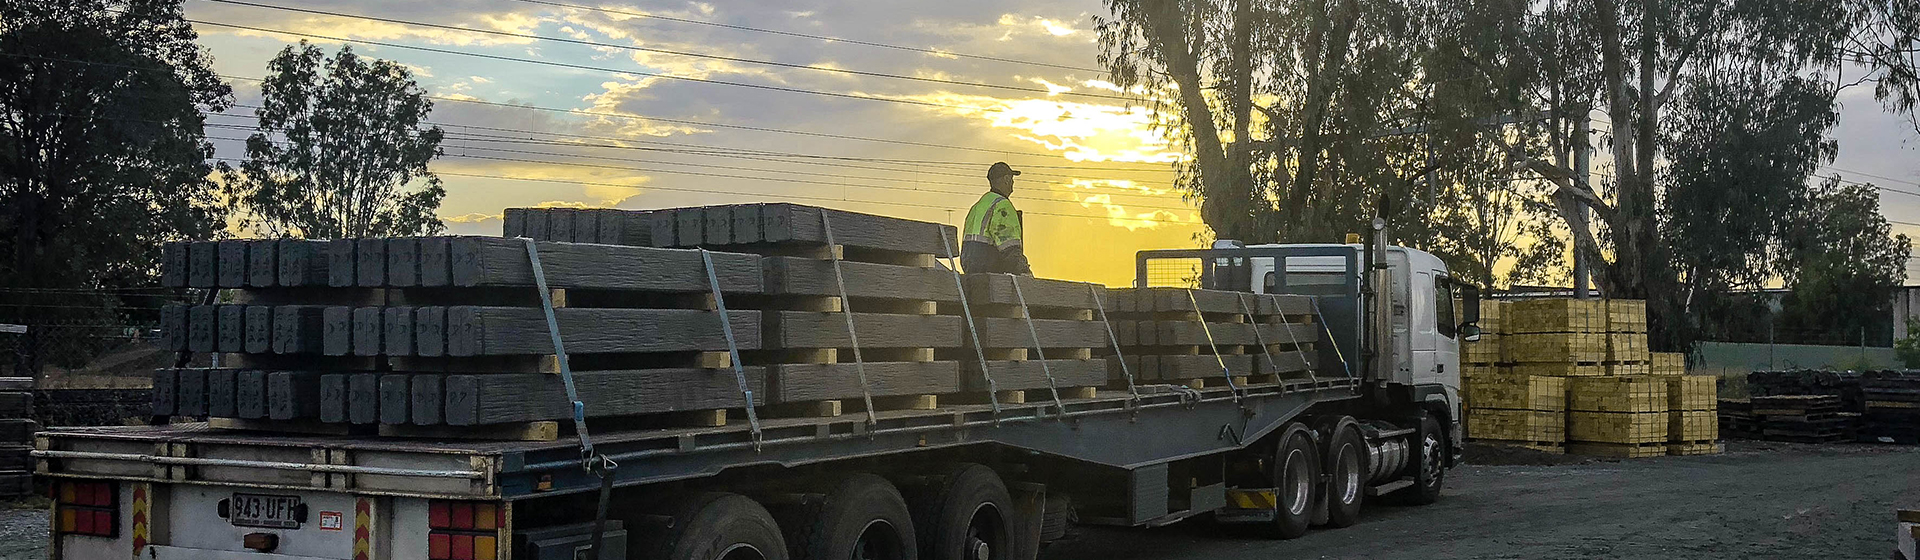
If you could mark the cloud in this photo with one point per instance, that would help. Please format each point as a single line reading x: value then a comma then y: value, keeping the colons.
x: 470, y: 218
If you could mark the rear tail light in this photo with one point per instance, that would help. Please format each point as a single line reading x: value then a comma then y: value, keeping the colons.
x: 464, y: 530
x: 89, y: 508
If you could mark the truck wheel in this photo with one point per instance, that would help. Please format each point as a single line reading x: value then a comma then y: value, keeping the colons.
x: 719, y: 526
x: 1347, y: 487
x: 1431, y: 473
x: 862, y: 518
x: 967, y: 515
x: 1296, y: 481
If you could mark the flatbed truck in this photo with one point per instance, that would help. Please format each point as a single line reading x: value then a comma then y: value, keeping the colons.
x: 1379, y: 418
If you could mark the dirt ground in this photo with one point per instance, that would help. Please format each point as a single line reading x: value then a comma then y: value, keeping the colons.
x: 1757, y: 501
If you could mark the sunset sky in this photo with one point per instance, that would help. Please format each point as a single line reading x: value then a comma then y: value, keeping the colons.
x: 1097, y: 183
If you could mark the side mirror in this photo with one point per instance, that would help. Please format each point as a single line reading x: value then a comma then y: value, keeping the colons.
x: 1470, y: 332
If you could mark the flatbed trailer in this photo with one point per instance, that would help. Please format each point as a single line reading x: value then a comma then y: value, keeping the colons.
x: 974, y: 482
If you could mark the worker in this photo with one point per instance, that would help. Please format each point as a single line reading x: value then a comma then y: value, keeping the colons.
x: 992, y: 233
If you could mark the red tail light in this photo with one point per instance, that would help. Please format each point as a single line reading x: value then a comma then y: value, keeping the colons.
x: 89, y: 508
x: 463, y: 530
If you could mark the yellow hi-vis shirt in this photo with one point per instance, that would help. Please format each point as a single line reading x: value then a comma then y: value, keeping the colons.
x: 993, y: 221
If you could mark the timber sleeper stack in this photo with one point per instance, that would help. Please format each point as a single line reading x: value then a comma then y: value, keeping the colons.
x: 426, y: 335
x: 1211, y: 338
x: 16, y: 436
x: 1892, y: 405
x: 446, y: 336
x: 1804, y: 418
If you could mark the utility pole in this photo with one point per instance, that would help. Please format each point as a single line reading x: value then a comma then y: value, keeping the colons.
x: 1582, y: 162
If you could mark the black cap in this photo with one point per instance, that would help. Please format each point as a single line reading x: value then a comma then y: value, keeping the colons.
x: 999, y: 170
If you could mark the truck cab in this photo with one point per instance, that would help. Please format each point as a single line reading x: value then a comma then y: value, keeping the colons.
x: 1397, y: 329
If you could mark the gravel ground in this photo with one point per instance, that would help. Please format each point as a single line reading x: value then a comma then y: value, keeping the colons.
x: 23, y: 532
x: 1759, y: 500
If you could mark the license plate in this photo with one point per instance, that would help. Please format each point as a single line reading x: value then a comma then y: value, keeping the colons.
x: 260, y: 510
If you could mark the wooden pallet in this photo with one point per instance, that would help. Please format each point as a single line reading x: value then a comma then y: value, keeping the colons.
x: 1617, y: 450
x: 1548, y: 447
x: 1559, y: 369
x: 1702, y: 447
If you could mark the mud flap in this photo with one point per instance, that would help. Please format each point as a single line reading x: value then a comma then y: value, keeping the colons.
x: 1030, y: 507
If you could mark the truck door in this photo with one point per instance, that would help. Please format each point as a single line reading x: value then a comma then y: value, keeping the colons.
x: 1446, y: 336
x: 1422, y: 333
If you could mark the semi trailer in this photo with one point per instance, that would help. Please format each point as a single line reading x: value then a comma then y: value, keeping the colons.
x: 1378, y: 418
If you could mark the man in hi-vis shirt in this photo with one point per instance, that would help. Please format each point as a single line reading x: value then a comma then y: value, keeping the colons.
x: 992, y: 232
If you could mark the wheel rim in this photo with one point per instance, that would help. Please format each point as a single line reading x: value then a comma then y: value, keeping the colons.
x: 742, y: 551
x: 878, y: 541
x: 1299, y: 482
x: 985, y: 539
x: 1349, y: 474
x: 1430, y: 460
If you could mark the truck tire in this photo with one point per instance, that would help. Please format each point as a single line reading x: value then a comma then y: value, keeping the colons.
x: 1296, y: 483
x: 718, y: 526
x: 1430, y: 473
x: 965, y: 515
x: 1347, y: 481
x: 863, y: 517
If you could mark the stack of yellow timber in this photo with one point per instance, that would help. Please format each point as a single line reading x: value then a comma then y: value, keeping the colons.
x: 1555, y: 337
x: 1627, y: 349
x: 1486, y: 351
x: 1669, y: 363
x: 1617, y: 416
x: 1520, y: 410
x: 1693, y: 422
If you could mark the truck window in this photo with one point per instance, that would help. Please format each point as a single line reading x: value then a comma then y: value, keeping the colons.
x: 1443, y: 306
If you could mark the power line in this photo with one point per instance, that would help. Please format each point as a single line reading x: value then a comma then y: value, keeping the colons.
x: 842, y: 71
x: 570, y: 65
x: 645, y: 118
x: 785, y: 180
x: 760, y: 196
x: 923, y: 50
x: 1865, y: 174
x: 1038, y: 185
x: 725, y: 151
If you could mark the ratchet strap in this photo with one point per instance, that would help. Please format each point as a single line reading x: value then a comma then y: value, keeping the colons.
x: 1059, y: 406
x: 966, y: 310
x: 733, y: 349
x: 846, y: 310
x: 1261, y: 338
x: 1133, y: 391
x: 1228, y: 373
x: 1318, y: 318
x: 598, y: 464
x: 1296, y: 346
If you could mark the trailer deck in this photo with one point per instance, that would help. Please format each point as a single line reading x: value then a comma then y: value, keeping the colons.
x: 1165, y: 423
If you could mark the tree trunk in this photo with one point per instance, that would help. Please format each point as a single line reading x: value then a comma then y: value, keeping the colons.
x: 1166, y: 25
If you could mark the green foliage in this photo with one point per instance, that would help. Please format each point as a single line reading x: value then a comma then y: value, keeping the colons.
x: 1841, y: 263
x: 1908, y: 349
x: 101, y: 147
x: 340, y: 150
x: 102, y: 157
